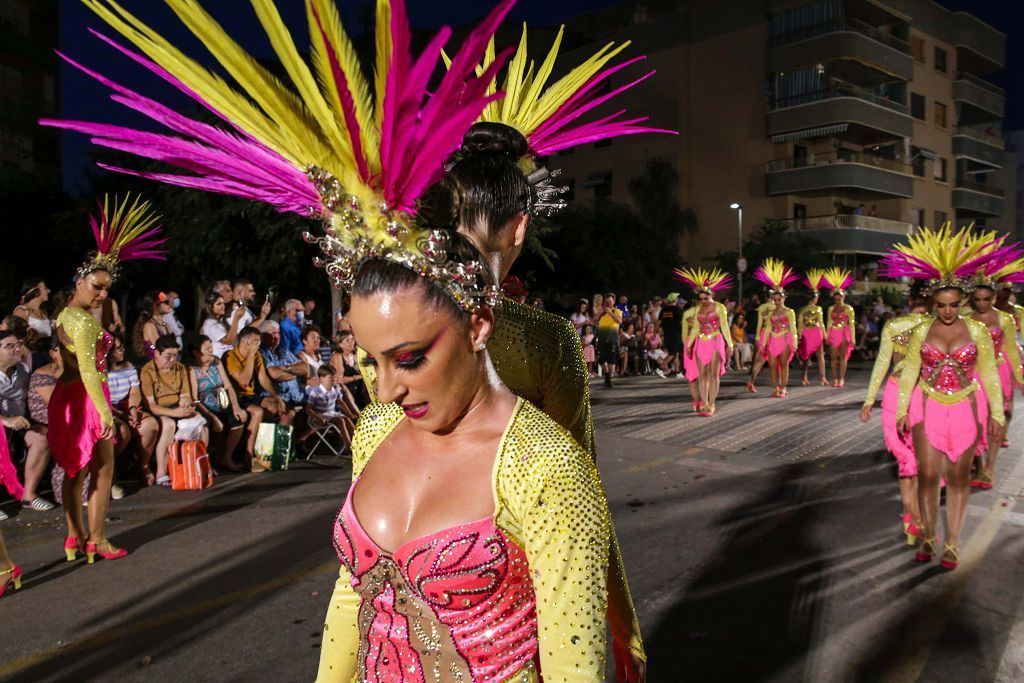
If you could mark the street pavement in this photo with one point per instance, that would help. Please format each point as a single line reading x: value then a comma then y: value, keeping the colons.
x: 761, y: 545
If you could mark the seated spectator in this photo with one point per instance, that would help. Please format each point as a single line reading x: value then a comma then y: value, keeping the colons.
x: 150, y: 325
x: 220, y: 330
x: 285, y: 369
x: 22, y: 436
x: 587, y: 339
x: 310, y: 353
x: 168, y: 395
x: 742, y: 349
x: 245, y: 367
x: 652, y: 344
x: 18, y: 327
x: 323, y: 401
x: 171, y: 319
x: 345, y: 363
x: 217, y: 402
x: 135, y: 427
x: 223, y: 287
x: 291, y: 326
x: 629, y: 349
x: 34, y: 294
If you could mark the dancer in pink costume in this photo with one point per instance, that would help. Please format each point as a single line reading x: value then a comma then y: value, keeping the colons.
x: 709, y: 344
x: 949, y: 359
x: 760, y: 345
x: 780, y: 335
x: 811, y: 328
x: 892, y: 348
x: 840, y: 320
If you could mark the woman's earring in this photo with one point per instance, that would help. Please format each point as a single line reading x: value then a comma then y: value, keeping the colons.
x: 481, y: 346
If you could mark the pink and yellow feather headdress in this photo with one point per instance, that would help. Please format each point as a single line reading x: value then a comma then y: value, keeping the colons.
x: 815, y: 279
x: 940, y: 259
x: 124, y: 230
x: 776, y: 275
x: 837, y: 279
x: 703, y: 280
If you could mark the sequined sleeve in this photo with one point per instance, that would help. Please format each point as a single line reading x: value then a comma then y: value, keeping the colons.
x: 85, y: 332
x: 881, y: 368
x: 791, y: 317
x: 1010, y: 345
x: 689, y: 327
x: 852, y: 324
x: 987, y: 370
x: 550, y: 500
x: 760, y: 321
x: 723, y: 318
x: 1018, y: 316
x: 800, y: 320
x: 911, y: 369
x: 566, y: 387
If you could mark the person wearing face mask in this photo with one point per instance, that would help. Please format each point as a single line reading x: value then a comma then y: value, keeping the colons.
x: 291, y: 326
x: 174, y: 325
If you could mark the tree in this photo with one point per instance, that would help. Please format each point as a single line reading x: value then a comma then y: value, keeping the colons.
x: 795, y: 248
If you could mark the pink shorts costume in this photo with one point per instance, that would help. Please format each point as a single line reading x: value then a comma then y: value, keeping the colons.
x: 952, y: 428
x: 1007, y: 356
x: 8, y: 473
x: 781, y: 335
x: 901, y: 447
x: 840, y: 328
x: 709, y: 342
x: 811, y: 339
x: 497, y: 599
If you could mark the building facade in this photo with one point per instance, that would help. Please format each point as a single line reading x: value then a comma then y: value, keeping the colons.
x: 852, y: 120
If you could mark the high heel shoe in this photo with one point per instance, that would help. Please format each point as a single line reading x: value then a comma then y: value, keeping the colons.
x: 72, y: 546
x: 751, y: 389
x: 985, y: 480
x: 806, y: 382
x: 927, y: 550
x: 952, y: 552
x: 695, y: 406
x: 14, y: 579
x: 910, y: 529
x: 783, y: 393
x: 111, y: 554
x: 824, y: 382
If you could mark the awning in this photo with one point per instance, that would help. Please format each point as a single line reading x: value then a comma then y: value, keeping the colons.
x: 806, y: 133
x: 924, y: 152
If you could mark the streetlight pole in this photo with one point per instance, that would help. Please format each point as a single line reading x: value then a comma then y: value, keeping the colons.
x: 739, y: 212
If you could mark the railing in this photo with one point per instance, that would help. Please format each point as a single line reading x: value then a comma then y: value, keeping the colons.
x: 980, y: 82
x: 837, y: 88
x: 843, y: 157
x: 834, y: 26
x: 982, y: 131
x: 983, y: 188
x: 848, y: 221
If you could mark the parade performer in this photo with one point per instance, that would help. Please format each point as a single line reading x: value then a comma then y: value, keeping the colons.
x: 780, y: 325
x: 948, y: 359
x: 760, y: 344
x: 1005, y: 265
x: 709, y: 343
x: 401, y: 155
x: 810, y: 327
x: 81, y: 424
x: 841, y: 320
x: 892, y: 348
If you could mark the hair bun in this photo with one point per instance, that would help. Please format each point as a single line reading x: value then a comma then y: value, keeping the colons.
x: 494, y: 138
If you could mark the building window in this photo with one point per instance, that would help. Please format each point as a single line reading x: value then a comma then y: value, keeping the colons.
x: 918, y: 165
x: 940, y: 219
x: 917, y: 217
x: 917, y: 106
x: 939, y: 169
x: 940, y: 60
x: 940, y: 115
x: 917, y: 48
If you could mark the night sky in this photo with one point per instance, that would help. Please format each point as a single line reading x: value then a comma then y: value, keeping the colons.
x: 82, y: 98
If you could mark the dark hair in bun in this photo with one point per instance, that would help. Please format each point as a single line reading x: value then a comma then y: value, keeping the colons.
x: 494, y: 138
x: 491, y: 186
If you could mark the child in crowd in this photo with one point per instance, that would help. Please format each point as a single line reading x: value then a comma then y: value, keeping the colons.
x: 322, y: 406
x: 587, y: 337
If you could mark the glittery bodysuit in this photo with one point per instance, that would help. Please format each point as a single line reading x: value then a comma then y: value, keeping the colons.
x: 489, y: 599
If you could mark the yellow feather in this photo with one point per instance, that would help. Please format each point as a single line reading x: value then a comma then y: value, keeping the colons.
x: 513, y: 81
x: 384, y: 48
x: 545, y: 70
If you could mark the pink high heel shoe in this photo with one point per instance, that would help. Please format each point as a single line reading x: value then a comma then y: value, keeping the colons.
x: 14, y: 579
x: 91, y: 552
x: 72, y: 546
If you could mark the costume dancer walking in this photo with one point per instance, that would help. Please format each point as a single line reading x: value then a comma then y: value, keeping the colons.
x: 81, y: 424
x: 811, y: 328
x: 946, y: 358
x: 709, y: 343
x: 781, y: 339
x: 760, y: 344
x: 892, y: 348
x: 839, y: 332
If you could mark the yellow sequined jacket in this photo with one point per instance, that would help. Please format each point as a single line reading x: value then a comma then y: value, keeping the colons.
x: 763, y: 311
x: 1011, y: 354
x: 84, y: 332
x: 550, y: 502
x: 985, y: 367
x: 894, y: 340
x: 810, y: 315
x: 693, y: 329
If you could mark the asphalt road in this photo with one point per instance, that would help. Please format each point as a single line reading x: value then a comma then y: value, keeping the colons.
x: 761, y: 544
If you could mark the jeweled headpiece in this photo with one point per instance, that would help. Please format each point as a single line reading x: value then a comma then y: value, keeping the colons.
x: 939, y: 258
x: 1004, y: 260
x: 123, y: 232
x: 837, y: 279
x: 815, y: 280
x: 321, y: 145
x: 776, y: 275
x: 545, y: 116
x: 702, y: 280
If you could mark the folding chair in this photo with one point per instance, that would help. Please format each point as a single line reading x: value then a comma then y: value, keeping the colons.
x: 323, y: 439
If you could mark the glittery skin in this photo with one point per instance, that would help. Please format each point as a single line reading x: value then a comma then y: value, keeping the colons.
x: 84, y: 345
x: 951, y: 378
x: 480, y: 598
x: 892, y: 347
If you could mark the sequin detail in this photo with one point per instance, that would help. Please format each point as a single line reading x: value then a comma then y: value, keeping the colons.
x: 84, y: 346
x: 811, y: 316
x: 892, y: 347
x: 709, y: 325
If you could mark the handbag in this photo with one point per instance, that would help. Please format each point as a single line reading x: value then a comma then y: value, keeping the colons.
x: 274, y: 445
x: 189, y: 466
x: 190, y: 428
x: 223, y: 400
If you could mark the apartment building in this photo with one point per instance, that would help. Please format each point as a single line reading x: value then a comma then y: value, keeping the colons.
x: 852, y: 120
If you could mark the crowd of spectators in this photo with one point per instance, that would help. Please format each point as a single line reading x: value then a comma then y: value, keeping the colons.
x: 247, y: 361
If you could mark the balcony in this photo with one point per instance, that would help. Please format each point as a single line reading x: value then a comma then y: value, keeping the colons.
x: 981, y: 143
x: 979, y: 93
x: 979, y: 47
x: 977, y: 199
x: 846, y: 39
x: 849, y: 233
x: 840, y: 103
x: 839, y: 170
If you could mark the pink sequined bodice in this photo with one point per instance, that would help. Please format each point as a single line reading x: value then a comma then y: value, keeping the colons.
x: 997, y: 339
x: 709, y: 324
x: 839, y: 318
x: 780, y: 324
x: 103, y: 346
x: 948, y: 373
x: 454, y: 605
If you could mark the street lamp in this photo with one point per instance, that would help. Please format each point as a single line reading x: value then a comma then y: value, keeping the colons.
x: 741, y: 263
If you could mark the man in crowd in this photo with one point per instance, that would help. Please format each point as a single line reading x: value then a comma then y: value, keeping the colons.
x: 21, y: 435
x: 223, y: 287
x: 671, y: 321
x: 308, y: 307
x: 244, y: 291
x: 291, y: 326
x: 245, y: 366
x: 283, y: 367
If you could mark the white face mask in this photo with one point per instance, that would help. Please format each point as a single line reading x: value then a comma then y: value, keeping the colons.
x: 300, y: 316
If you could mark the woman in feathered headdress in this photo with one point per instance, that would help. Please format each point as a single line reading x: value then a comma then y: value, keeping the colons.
x: 810, y: 327
x: 81, y: 424
x: 780, y: 323
x: 709, y: 343
x: 949, y: 359
x: 1006, y: 263
x: 839, y: 330
x: 891, y: 350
